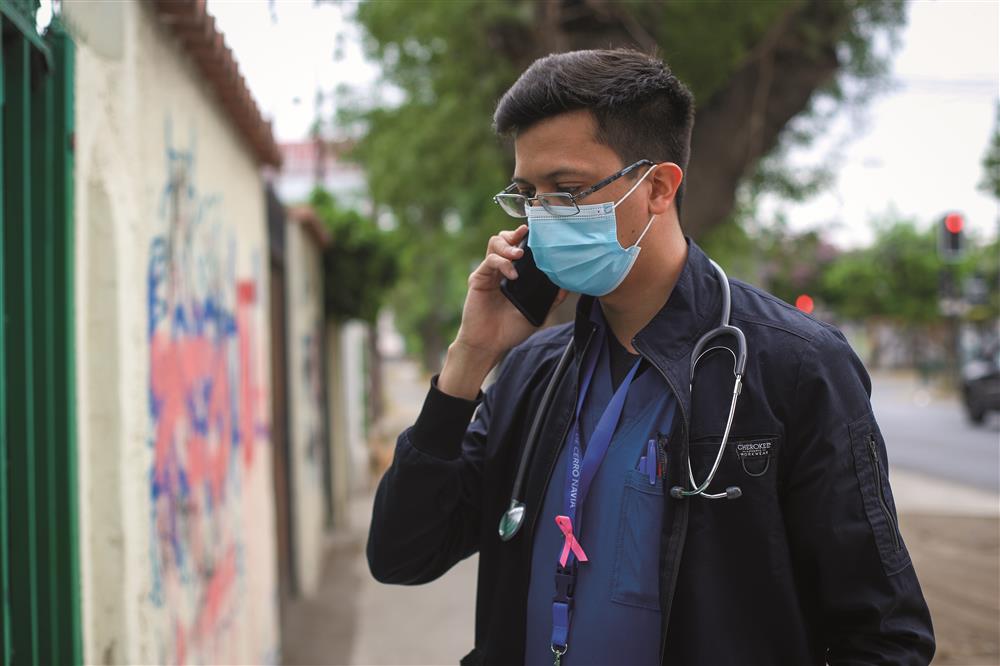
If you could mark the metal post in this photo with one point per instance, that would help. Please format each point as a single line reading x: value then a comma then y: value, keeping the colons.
x: 64, y: 354
x: 20, y: 351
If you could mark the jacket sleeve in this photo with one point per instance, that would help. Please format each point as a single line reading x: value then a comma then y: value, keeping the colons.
x: 849, y: 556
x: 427, y: 508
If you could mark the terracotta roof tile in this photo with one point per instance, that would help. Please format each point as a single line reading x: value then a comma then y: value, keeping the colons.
x: 195, y: 28
x: 306, y: 216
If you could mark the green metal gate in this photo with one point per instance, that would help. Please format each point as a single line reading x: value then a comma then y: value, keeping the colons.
x: 39, y: 579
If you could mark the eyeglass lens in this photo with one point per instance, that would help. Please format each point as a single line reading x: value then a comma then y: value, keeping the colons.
x: 556, y: 203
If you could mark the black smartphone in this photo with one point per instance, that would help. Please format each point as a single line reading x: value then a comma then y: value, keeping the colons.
x: 533, y: 293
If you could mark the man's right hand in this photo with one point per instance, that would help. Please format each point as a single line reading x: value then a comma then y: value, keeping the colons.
x: 491, y: 324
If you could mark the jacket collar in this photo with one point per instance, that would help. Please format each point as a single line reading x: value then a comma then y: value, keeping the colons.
x: 667, y: 340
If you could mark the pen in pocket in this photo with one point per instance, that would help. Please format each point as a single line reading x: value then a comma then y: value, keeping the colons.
x: 652, y: 462
x: 661, y: 455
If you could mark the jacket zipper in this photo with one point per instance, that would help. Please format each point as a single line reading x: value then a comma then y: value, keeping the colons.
x: 562, y: 438
x: 876, y: 468
x: 684, y: 436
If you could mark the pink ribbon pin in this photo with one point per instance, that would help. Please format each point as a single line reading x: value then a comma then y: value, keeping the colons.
x: 566, y: 525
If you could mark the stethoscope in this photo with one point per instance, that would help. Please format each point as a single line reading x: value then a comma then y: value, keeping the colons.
x: 513, y: 518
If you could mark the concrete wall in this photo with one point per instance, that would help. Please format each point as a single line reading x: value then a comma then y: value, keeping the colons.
x: 304, y: 266
x: 346, y: 345
x: 176, y: 501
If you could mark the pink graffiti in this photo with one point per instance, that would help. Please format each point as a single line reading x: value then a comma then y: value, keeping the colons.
x: 206, y: 401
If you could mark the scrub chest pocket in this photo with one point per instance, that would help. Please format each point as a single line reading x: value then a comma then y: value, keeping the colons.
x: 636, y: 578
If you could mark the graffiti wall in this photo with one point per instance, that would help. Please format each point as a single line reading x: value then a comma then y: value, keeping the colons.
x: 177, y: 520
x: 207, y: 410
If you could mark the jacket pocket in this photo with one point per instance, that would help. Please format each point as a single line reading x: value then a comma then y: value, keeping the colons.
x: 746, y: 457
x: 871, y: 467
x: 636, y: 577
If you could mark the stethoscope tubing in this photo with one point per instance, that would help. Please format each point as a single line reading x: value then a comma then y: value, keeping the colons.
x: 543, y: 409
x: 513, y: 518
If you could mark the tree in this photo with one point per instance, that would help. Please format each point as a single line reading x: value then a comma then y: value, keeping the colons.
x: 360, y: 265
x: 898, y: 281
x: 753, y: 66
x: 991, y: 163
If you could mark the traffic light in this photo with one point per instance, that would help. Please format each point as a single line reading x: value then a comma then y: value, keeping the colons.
x: 952, y: 239
x: 805, y: 303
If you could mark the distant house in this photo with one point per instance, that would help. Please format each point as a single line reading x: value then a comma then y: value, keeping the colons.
x: 306, y: 164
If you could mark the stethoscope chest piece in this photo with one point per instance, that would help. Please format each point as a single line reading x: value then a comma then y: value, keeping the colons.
x: 511, y: 521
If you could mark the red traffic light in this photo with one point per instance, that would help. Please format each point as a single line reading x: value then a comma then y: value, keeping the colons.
x: 805, y: 303
x: 954, y: 222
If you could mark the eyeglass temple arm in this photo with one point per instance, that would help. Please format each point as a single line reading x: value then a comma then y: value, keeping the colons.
x: 610, y: 179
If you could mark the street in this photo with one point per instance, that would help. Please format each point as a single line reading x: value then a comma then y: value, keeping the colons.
x: 930, y: 434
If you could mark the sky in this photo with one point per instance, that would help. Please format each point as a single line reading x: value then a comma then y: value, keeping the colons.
x: 915, y: 151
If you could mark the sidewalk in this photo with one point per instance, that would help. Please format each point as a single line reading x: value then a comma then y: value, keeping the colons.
x: 953, y: 535
x: 951, y: 531
x: 356, y: 620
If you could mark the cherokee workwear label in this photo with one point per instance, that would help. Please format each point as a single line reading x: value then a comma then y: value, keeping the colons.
x: 755, y: 455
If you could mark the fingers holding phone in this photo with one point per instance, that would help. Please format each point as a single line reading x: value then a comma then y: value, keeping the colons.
x: 504, y: 290
x: 507, y: 295
x: 501, y: 251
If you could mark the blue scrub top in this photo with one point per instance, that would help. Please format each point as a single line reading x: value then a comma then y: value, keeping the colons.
x: 616, y: 617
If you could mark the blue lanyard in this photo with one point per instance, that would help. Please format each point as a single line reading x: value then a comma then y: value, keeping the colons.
x: 580, y: 471
x: 581, y: 467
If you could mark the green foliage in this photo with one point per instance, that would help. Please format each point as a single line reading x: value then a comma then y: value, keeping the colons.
x: 898, y: 278
x: 983, y: 261
x: 361, y: 263
x: 784, y: 263
x: 433, y: 156
x: 991, y: 163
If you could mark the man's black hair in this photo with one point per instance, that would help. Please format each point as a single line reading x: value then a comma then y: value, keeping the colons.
x: 642, y: 110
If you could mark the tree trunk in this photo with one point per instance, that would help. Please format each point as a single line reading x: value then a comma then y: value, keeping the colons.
x: 742, y: 123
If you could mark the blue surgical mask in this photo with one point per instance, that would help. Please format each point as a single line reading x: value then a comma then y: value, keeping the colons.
x: 581, y: 252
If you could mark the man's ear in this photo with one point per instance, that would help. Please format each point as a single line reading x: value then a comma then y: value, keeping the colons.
x: 665, y: 179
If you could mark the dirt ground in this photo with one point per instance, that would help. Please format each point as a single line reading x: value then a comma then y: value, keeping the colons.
x: 957, y: 559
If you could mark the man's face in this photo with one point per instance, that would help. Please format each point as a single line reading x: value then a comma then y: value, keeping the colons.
x: 561, y: 154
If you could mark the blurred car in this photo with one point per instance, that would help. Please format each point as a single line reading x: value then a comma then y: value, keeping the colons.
x: 981, y: 384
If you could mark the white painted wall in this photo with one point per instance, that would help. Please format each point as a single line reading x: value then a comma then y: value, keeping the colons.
x: 353, y: 343
x: 304, y: 284
x: 346, y: 404
x: 176, y: 500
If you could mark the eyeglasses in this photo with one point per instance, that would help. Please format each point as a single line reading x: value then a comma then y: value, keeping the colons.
x: 560, y: 204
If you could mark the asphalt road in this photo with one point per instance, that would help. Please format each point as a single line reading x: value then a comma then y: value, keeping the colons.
x: 929, y: 433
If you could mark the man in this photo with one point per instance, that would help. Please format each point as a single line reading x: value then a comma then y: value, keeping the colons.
x: 798, y: 559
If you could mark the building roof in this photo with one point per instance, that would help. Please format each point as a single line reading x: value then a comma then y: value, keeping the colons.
x: 306, y: 217
x: 195, y: 28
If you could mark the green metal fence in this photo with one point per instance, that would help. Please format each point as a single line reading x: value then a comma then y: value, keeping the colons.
x: 39, y: 607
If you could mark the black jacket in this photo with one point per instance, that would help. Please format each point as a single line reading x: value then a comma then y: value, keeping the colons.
x: 807, y: 567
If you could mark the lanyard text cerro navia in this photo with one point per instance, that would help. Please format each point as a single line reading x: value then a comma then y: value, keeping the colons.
x: 513, y: 518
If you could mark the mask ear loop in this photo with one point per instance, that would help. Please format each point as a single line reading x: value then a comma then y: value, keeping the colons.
x: 637, y: 184
x: 643, y: 234
x: 631, y: 190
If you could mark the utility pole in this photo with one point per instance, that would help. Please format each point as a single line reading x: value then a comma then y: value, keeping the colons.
x: 951, y: 248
